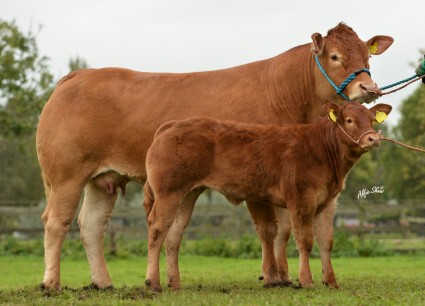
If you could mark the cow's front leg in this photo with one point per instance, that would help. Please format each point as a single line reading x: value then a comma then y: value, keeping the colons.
x: 302, y: 224
x: 265, y: 221
x: 323, y: 230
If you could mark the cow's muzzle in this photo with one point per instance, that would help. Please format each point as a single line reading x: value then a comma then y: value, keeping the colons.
x: 340, y: 89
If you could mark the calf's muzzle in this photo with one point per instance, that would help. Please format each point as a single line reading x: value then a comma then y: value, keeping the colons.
x: 370, y: 140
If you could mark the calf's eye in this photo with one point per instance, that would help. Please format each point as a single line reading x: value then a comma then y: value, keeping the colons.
x: 349, y: 120
x: 334, y: 57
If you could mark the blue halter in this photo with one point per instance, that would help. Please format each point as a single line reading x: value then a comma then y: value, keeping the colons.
x: 340, y: 89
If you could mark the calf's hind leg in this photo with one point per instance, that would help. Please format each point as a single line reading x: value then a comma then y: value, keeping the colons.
x: 93, y: 220
x: 160, y: 219
x: 175, y: 235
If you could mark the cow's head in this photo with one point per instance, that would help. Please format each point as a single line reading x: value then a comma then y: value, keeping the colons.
x: 355, y: 124
x: 341, y: 52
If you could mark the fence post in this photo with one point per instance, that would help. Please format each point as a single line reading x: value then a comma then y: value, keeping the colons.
x: 404, y: 223
x: 112, y: 241
x: 362, y: 219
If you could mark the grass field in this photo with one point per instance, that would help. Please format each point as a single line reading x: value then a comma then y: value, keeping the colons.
x: 395, y: 280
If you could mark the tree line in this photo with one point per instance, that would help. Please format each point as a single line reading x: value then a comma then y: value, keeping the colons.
x: 26, y: 84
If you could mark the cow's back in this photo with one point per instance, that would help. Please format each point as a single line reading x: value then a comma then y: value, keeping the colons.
x: 109, y: 116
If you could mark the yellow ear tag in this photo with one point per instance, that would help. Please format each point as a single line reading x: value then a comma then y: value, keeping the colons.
x: 373, y: 48
x: 380, y: 116
x: 332, y: 115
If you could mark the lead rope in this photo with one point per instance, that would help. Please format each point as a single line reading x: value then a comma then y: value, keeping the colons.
x: 411, y: 80
x: 419, y: 75
x: 382, y: 137
x: 402, y: 144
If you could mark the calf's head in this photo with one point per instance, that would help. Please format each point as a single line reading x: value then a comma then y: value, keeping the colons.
x: 340, y: 53
x: 355, y: 123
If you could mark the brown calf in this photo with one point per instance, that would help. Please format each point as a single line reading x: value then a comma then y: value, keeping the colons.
x: 98, y: 124
x: 298, y: 167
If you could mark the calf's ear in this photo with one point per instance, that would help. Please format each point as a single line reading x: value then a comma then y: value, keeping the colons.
x: 332, y: 110
x: 380, y: 111
x: 378, y: 44
x: 317, y: 44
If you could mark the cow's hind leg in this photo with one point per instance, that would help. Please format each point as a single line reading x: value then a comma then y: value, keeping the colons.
x: 62, y: 203
x: 93, y: 220
x: 323, y: 230
x: 175, y: 235
x: 281, y: 244
x: 160, y: 219
x: 265, y: 221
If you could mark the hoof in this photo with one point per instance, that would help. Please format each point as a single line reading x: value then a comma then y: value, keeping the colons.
x: 94, y: 286
x: 261, y: 277
x: 51, y: 286
x: 148, y: 284
x: 296, y: 286
x: 286, y: 283
x: 272, y: 285
x: 331, y: 285
x: 172, y: 287
x: 307, y: 285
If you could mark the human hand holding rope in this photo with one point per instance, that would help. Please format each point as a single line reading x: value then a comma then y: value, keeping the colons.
x: 420, y: 70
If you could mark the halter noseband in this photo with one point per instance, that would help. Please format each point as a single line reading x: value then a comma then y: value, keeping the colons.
x: 339, y: 89
x: 357, y: 142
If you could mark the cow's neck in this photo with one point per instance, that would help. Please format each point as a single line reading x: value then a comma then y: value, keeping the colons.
x: 292, y: 86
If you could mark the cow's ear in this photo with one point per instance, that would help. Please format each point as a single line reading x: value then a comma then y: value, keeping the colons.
x: 332, y: 110
x: 378, y: 44
x: 380, y: 111
x: 318, y: 43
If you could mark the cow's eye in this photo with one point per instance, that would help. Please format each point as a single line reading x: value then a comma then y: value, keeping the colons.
x: 334, y: 57
x: 349, y: 120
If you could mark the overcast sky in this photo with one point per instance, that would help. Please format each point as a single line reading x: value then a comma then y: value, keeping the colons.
x: 195, y: 35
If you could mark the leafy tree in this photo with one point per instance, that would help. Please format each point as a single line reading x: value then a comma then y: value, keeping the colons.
x: 77, y: 63
x: 25, y: 82
x: 399, y: 170
x: 25, y: 85
x: 407, y: 168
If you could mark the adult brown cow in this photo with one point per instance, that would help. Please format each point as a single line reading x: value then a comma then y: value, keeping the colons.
x: 97, y: 126
x: 299, y: 167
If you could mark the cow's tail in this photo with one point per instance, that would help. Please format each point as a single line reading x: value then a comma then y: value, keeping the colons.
x: 149, y: 198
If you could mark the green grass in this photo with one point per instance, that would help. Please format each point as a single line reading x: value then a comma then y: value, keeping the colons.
x: 393, y: 280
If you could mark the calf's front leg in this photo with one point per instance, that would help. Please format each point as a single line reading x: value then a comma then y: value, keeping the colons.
x: 323, y: 230
x: 281, y: 244
x: 265, y: 221
x: 302, y: 224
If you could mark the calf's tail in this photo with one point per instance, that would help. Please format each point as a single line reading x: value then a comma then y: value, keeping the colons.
x: 149, y: 198
x: 164, y: 127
